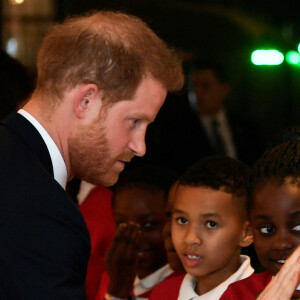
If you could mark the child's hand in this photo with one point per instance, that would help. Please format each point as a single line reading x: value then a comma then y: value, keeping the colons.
x: 283, y: 285
x: 121, y: 259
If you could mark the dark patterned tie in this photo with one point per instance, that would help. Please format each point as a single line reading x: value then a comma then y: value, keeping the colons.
x: 219, y: 146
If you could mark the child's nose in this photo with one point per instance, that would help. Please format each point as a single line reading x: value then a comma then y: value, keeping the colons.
x: 283, y: 240
x: 192, y: 237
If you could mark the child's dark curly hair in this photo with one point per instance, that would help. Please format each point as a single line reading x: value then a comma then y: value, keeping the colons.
x: 218, y: 173
x: 146, y: 176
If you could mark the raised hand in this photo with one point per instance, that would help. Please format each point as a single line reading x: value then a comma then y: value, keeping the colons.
x: 121, y: 259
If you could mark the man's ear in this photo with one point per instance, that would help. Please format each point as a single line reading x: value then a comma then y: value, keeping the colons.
x: 87, y: 101
x: 247, y: 238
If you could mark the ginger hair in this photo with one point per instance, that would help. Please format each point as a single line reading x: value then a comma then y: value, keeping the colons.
x: 113, y: 50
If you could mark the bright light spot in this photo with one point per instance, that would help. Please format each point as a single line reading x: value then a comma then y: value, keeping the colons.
x: 16, y: 2
x: 12, y: 47
x: 293, y: 58
x: 299, y: 47
x: 267, y: 57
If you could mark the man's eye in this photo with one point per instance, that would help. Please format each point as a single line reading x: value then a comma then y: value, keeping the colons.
x: 211, y: 224
x: 182, y: 221
x: 267, y: 230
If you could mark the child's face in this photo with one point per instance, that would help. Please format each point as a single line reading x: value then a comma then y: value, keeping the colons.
x: 147, y: 208
x: 275, y: 222
x: 207, y: 232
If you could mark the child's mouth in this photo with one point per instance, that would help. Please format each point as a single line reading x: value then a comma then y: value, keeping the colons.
x: 193, y: 256
x: 281, y: 261
x: 192, y: 260
x: 278, y: 263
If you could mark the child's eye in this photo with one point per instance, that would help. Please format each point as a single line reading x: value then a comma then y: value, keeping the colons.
x: 267, y: 230
x: 149, y: 225
x: 211, y: 224
x: 182, y: 221
x: 296, y: 228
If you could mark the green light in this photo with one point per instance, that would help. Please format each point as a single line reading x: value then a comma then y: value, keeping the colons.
x: 267, y: 57
x: 299, y: 47
x: 293, y: 58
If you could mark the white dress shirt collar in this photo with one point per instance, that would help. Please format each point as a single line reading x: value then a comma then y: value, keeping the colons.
x: 187, y: 289
x: 58, y: 163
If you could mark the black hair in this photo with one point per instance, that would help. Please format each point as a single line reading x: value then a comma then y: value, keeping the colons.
x: 146, y: 176
x: 279, y: 163
x: 291, y: 133
x: 218, y: 173
x: 208, y: 64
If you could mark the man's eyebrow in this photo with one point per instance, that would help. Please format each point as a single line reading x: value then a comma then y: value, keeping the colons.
x: 142, y: 116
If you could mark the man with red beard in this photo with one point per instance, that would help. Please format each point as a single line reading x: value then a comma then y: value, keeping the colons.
x: 102, y: 78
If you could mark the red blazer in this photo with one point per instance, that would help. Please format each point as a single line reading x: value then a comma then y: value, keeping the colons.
x: 168, y: 289
x: 97, y: 212
x: 247, y: 288
x: 105, y: 283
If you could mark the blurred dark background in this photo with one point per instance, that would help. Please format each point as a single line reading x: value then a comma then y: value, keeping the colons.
x: 223, y: 30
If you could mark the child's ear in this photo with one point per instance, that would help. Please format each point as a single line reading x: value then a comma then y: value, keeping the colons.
x: 247, y: 238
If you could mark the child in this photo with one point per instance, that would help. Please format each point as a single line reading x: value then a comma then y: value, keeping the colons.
x: 137, y: 260
x: 274, y: 209
x: 209, y: 227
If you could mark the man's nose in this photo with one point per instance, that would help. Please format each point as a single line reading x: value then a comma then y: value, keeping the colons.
x: 137, y: 144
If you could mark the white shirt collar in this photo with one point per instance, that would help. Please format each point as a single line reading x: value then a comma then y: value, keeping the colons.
x: 58, y: 163
x: 141, y: 286
x: 187, y: 289
x: 84, y: 190
x: 219, y: 116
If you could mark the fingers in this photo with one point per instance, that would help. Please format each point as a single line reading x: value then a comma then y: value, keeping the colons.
x: 280, y: 291
x: 289, y: 269
x: 123, y: 248
x: 128, y: 234
x: 121, y: 259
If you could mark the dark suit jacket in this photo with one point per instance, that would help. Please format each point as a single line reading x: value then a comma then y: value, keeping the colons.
x: 247, y: 138
x: 44, y: 242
